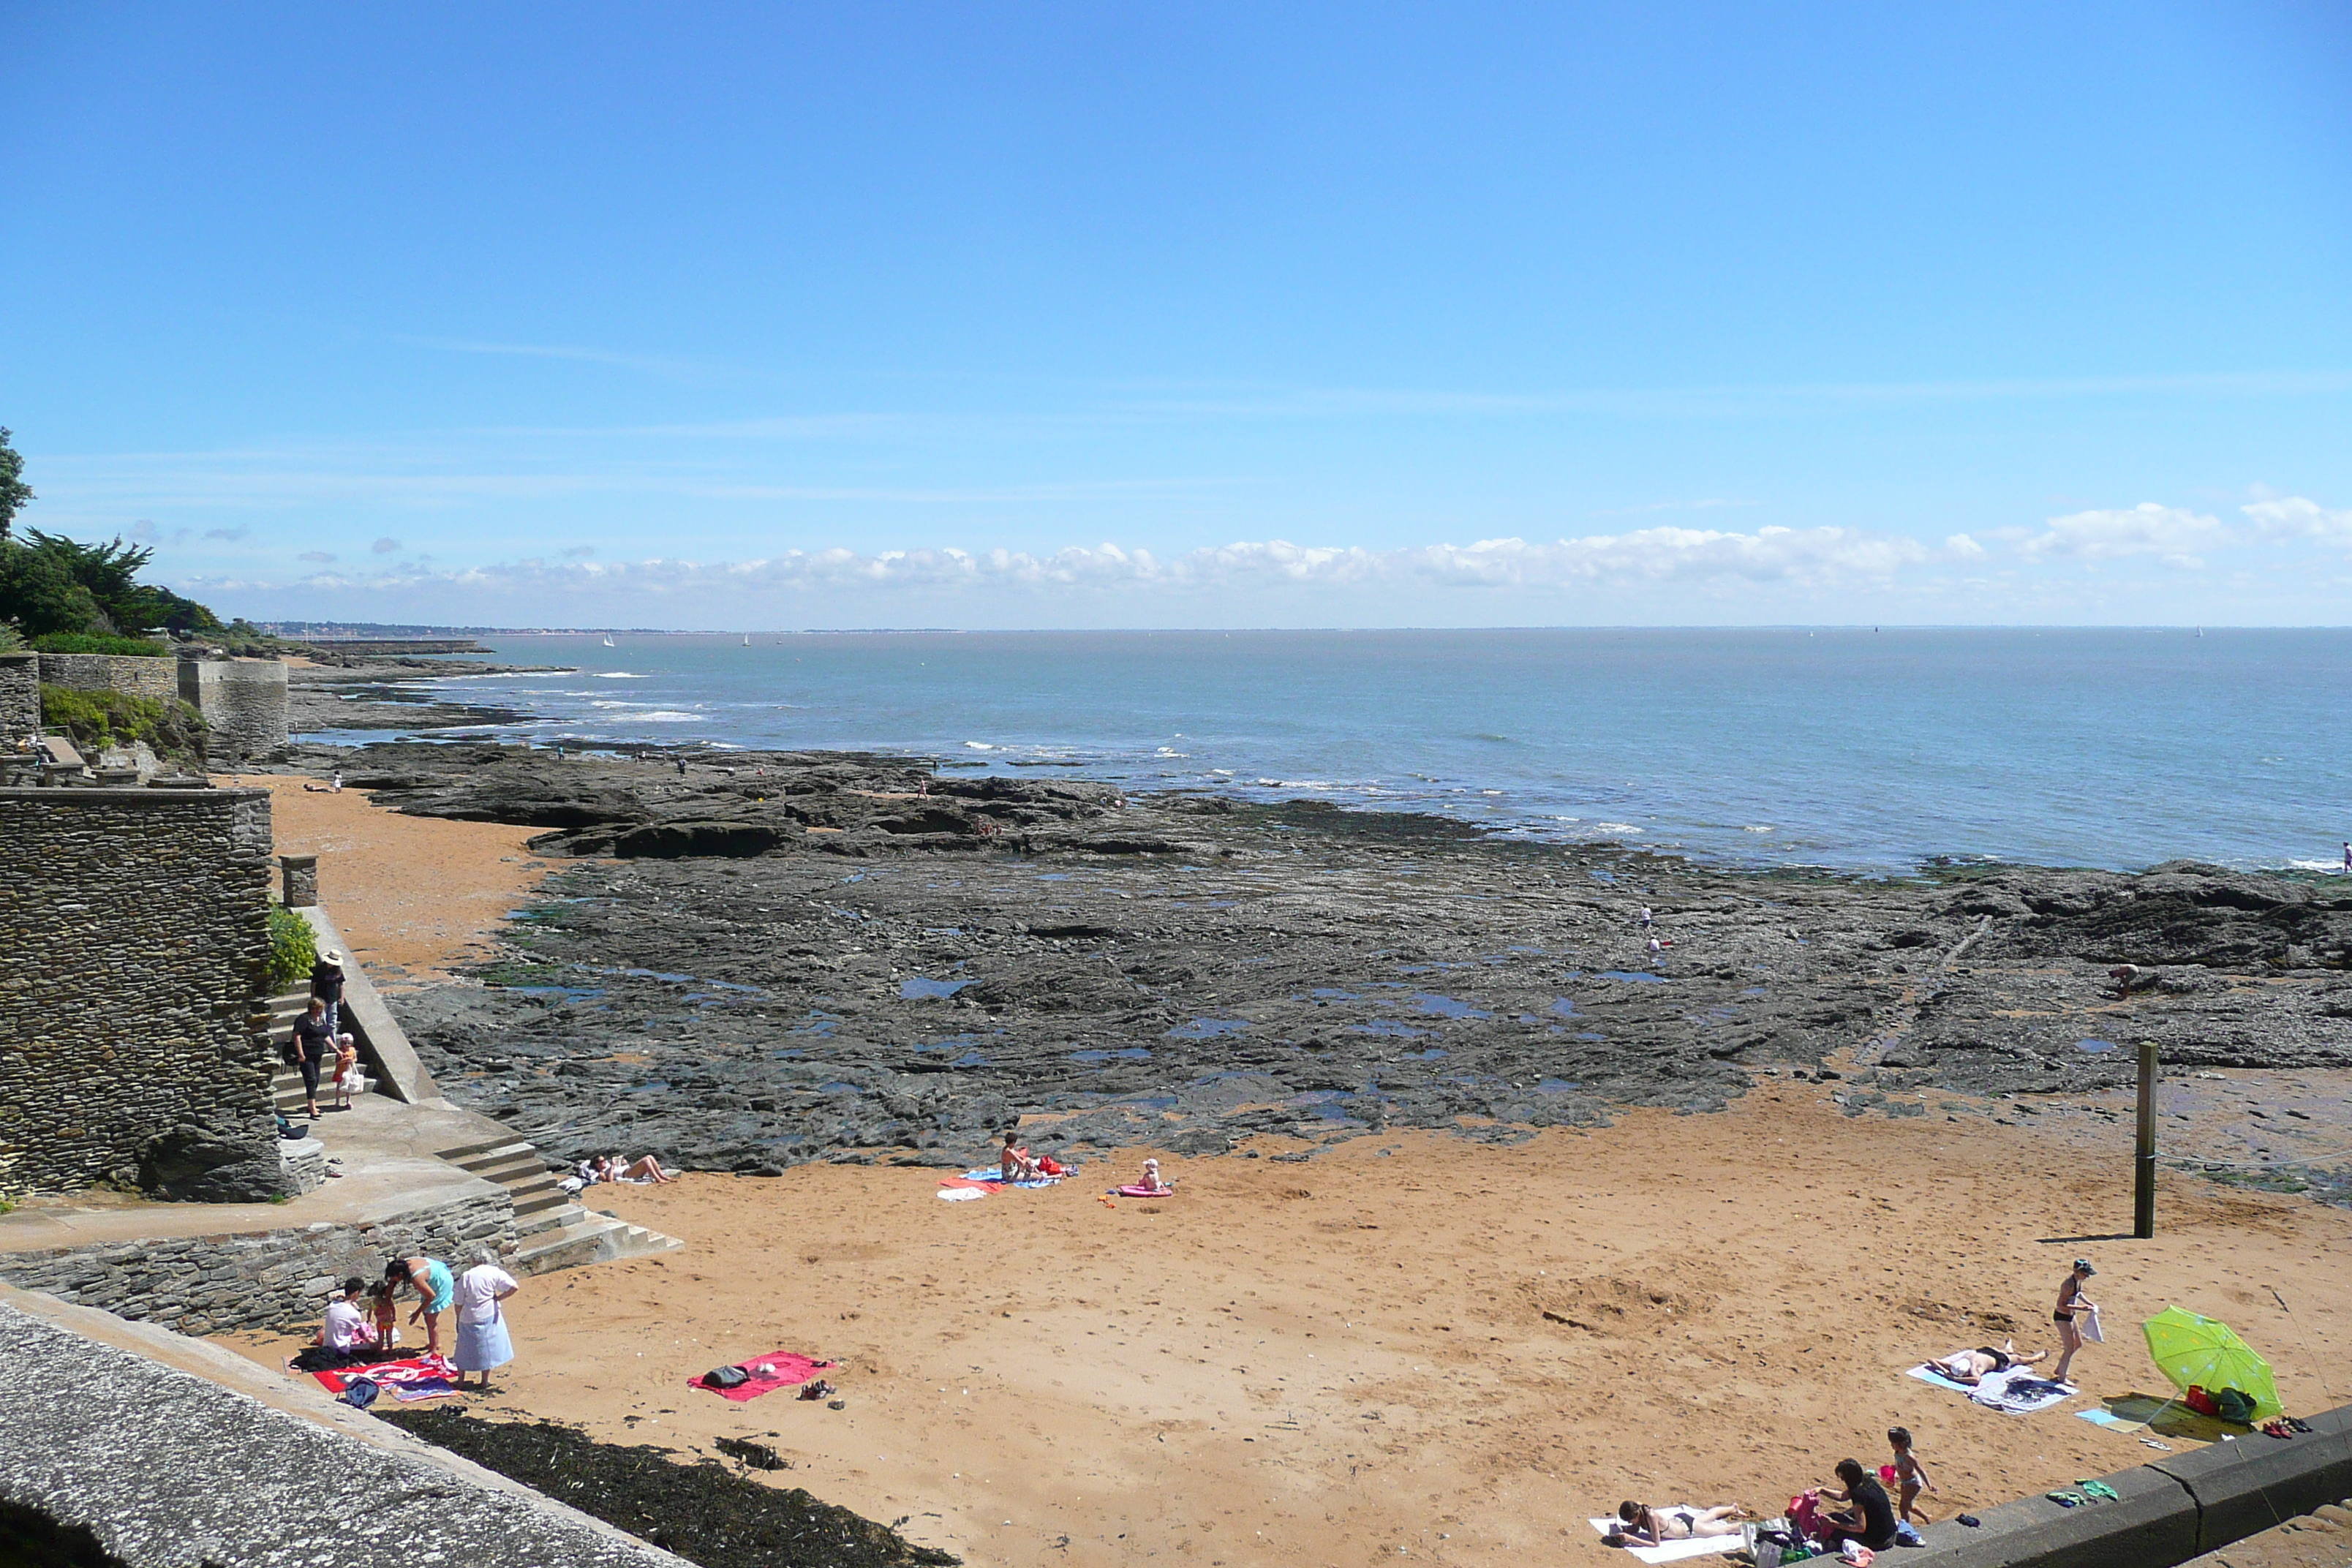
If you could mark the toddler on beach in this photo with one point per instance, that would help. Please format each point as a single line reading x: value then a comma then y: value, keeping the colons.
x: 1909, y: 1476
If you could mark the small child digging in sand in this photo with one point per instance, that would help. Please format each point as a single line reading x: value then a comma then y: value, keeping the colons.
x: 1910, y: 1475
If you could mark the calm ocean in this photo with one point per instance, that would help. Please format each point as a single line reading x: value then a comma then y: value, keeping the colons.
x: 1859, y: 750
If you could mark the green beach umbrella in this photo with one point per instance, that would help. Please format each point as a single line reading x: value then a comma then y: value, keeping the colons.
x: 2205, y: 1352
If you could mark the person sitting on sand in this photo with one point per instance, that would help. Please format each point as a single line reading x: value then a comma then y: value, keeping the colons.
x: 1151, y: 1182
x: 639, y: 1171
x: 1870, y: 1520
x: 1640, y: 1525
x: 1015, y: 1163
x: 1972, y: 1367
x: 347, y: 1327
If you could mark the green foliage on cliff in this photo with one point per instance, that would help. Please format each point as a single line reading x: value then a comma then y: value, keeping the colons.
x: 14, y: 491
x: 293, y: 948
x: 51, y: 583
x: 83, y: 642
x: 96, y: 719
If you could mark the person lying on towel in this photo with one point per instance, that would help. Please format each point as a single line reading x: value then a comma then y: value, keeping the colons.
x: 1642, y: 1525
x: 1972, y: 1367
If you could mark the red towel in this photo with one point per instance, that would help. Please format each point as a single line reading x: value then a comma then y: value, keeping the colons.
x: 787, y: 1369
x: 393, y: 1375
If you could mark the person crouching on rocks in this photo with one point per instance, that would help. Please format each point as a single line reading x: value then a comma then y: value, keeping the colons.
x: 435, y: 1287
x: 482, y: 1341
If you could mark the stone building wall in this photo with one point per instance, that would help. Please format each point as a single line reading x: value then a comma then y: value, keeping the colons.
x: 261, y: 1279
x: 20, y: 697
x: 135, y: 938
x: 154, y: 678
x: 244, y: 704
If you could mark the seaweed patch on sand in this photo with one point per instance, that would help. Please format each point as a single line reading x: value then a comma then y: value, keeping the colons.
x: 703, y: 1511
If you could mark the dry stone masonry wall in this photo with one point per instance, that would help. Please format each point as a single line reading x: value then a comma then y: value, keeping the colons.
x: 261, y: 1279
x: 152, y: 678
x: 134, y: 936
x: 244, y: 704
x: 20, y: 697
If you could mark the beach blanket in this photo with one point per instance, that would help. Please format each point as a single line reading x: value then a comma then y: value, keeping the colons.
x: 777, y: 1369
x: 991, y: 1176
x: 417, y: 1377
x: 1994, y: 1390
x: 1673, y: 1551
x: 961, y: 1192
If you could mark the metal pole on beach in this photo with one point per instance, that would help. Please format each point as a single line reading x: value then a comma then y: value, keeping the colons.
x: 2144, y: 1166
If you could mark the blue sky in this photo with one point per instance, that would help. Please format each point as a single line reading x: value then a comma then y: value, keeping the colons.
x: 1209, y: 315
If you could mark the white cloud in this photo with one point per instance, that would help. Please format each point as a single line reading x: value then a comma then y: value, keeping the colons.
x: 2172, y: 534
x: 1967, y: 548
x: 2296, y: 517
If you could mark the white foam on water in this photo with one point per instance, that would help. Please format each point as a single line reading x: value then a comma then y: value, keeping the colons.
x: 664, y: 716
x: 617, y: 675
x: 1616, y: 827
x: 978, y: 746
x: 1755, y: 827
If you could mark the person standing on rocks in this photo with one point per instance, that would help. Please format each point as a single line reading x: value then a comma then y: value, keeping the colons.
x: 326, y: 986
x: 314, y: 1043
x: 482, y: 1340
x: 435, y: 1288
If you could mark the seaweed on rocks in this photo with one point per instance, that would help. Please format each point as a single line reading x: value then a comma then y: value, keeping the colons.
x: 703, y: 1511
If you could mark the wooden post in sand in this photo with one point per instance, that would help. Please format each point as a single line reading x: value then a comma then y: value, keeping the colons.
x: 2144, y: 1166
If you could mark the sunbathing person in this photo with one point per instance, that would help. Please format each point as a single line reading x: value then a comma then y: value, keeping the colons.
x: 640, y: 1171
x: 1016, y: 1164
x: 1972, y: 1367
x: 1640, y: 1525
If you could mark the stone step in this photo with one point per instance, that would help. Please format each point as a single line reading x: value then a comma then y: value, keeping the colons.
x: 515, y: 1170
x: 540, y: 1202
x: 600, y: 1239
x: 491, y: 1154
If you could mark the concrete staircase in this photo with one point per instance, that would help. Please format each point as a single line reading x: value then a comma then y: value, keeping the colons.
x: 552, y: 1230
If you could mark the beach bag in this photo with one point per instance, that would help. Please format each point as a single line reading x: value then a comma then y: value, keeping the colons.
x: 2091, y: 1329
x: 2199, y: 1401
x: 725, y: 1378
x: 359, y: 1393
x: 2230, y: 1405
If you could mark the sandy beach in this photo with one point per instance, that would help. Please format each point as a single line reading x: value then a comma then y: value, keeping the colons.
x: 1410, y: 1345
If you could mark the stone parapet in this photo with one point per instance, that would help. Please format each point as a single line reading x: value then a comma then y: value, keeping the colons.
x: 20, y: 697
x: 156, y: 679
x: 260, y: 1279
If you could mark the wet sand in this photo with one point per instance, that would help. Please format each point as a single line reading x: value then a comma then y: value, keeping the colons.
x: 1409, y: 1345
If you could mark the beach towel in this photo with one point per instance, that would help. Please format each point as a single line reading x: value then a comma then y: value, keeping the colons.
x: 1994, y: 1390
x: 1673, y: 1551
x: 2018, y: 1392
x: 962, y: 1194
x: 766, y: 1373
x: 993, y: 1176
x: 418, y: 1377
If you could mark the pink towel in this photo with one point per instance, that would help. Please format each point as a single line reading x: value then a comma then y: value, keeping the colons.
x: 417, y: 1376
x: 786, y: 1368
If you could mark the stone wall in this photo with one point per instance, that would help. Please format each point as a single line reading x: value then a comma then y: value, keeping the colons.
x: 244, y: 704
x: 155, y: 677
x: 135, y: 938
x: 20, y: 697
x: 261, y: 1279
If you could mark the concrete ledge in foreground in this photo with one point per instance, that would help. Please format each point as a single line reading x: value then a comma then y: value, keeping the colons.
x: 149, y: 1442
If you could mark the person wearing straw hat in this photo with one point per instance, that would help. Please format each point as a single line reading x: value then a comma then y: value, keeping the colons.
x: 2071, y: 1305
x: 326, y: 986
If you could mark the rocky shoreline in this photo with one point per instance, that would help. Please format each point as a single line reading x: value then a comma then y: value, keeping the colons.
x: 768, y: 959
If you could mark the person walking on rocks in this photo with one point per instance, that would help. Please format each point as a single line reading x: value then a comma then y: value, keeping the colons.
x: 2071, y: 1305
x: 314, y: 1044
x: 326, y: 986
x: 435, y: 1288
x: 482, y: 1340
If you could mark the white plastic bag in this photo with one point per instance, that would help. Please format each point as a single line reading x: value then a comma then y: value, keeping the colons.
x: 2091, y: 1328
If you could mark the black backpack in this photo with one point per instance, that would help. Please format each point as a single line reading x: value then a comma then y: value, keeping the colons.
x: 726, y: 1377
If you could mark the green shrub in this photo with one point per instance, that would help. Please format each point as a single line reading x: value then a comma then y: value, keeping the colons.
x: 83, y: 642
x: 96, y: 719
x: 293, y: 948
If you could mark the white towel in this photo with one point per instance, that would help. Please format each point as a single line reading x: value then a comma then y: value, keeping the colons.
x: 2090, y: 1326
x: 1673, y: 1551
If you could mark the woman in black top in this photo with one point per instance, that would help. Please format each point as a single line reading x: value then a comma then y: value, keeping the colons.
x: 1871, y: 1521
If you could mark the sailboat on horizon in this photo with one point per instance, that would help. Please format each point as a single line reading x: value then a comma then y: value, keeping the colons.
x: 608, y: 639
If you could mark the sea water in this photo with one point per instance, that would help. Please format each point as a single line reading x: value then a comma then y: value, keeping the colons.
x: 1852, y: 749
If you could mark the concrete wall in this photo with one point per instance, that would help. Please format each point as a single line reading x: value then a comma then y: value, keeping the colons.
x: 244, y: 704
x: 260, y: 1279
x: 134, y: 937
x: 150, y: 1451
x: 20, y: 697
x: 154, y: 678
